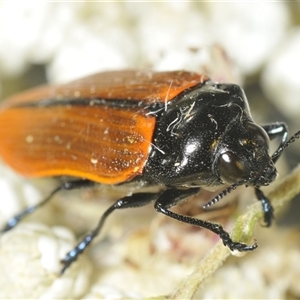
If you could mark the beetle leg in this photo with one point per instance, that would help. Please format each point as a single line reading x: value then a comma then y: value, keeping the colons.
x: 135, y: 200
x: 70, y: 185
x: 278, y: 129
x: 274, y: 130
x: 171, y: 197
x: 266, y: 206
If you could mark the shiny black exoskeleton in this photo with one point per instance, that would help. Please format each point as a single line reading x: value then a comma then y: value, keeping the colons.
x: 204, y: 138
x: 207, y: 138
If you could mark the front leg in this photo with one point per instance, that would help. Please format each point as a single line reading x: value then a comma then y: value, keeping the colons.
x: 267, y: 207
x: 171, y: 197
x: 274, y: 130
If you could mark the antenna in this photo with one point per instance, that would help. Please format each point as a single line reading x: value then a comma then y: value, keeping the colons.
x: 292, y: 139
x: 223, y: 194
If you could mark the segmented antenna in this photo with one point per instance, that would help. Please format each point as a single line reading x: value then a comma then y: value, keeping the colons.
x: 274, y: 157
x: 292, y: 139
x: 223, y: 194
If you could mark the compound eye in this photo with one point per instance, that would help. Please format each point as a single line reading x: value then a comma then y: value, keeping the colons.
x: 231, y: 169
x: 259, y: 133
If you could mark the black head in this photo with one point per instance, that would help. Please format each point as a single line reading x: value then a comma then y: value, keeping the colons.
x: 242, y: 154
x: 207, y: 138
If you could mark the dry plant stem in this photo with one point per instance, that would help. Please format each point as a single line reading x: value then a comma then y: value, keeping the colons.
x: 283, y: 192
x: 203, y: 270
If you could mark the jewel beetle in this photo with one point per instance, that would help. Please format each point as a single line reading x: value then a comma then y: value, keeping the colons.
x: 176, y: 130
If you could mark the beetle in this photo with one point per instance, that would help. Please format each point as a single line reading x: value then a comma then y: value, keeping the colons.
x: 177, y: 130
